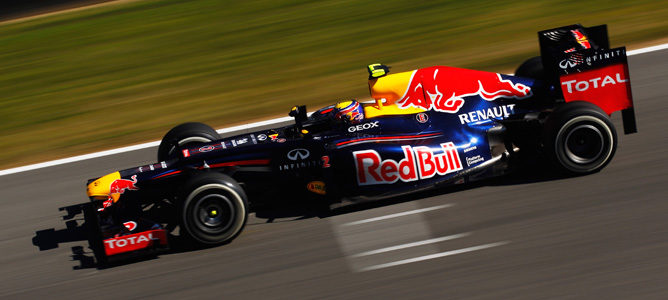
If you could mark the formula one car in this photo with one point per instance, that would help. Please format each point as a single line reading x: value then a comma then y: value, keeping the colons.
x: 426, y: 128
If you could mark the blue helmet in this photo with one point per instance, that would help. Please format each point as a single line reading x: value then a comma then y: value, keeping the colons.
x: 350, y: 111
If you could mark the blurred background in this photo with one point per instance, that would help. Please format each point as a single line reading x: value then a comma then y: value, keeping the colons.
x: 80, y: 76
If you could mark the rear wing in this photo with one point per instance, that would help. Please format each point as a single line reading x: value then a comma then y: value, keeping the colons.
x: 580, y: 60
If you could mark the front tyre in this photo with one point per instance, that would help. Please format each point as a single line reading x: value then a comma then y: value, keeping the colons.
x: 185, y: 135
x: 579, y: 138
x: 214, y: 209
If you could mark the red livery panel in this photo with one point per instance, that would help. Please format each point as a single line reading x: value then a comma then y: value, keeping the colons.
x: 443, y: 88
x: 134, y: 242
x: 608, y: 87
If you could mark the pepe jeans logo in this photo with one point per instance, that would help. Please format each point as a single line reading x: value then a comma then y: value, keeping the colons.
x: 298, y: 154
x: 422, y: 117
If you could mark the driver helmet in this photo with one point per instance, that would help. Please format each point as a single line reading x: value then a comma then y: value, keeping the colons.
x: 350, y: 111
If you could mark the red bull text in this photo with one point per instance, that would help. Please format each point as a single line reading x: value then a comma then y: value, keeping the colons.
x: 418, y: 163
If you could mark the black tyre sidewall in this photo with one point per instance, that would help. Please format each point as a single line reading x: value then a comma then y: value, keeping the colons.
x: 577, y: 115
x: 183, y: 135
x: 531, y: 68
x: 211, y: 187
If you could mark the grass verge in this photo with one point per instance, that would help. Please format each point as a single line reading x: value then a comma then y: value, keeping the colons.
x: 120, y: 74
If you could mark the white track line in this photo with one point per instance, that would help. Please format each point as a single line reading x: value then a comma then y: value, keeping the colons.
x: 432, y: 256
x: 223, y: 130
x: 414, y: 244
x: 647, y: 49
x: 130, y: 148
x: 401, y: 214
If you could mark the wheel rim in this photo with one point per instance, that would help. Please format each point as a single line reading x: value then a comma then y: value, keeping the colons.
x: 584, y: 144
x: 213, y: 213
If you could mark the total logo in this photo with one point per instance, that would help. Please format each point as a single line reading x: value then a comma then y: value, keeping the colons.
x: 418, y: 163
x: 497, y: 112
x: 584, y: 85
x: 128, y: 241
x: 135, y: 241
x: 364, y: 126
x: 130, y: 225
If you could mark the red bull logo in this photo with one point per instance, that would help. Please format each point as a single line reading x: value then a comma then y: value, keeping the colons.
x: 581, y: 39
x: 443, y: 89
x: 418, y: 163
x: 119, y: 186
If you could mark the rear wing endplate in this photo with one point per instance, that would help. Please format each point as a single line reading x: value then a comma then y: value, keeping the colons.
x: 593, y: 73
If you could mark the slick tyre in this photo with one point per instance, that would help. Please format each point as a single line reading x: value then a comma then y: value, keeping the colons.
x: 531, y: 68
x: 214, y: 209
x: 187, y: 134
x: 579, y: 138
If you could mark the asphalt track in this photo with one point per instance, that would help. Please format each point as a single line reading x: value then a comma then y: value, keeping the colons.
x: 602, y: 236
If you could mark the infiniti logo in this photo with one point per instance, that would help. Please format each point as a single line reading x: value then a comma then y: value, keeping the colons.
x: 297, y: 154
x: 566, y: 63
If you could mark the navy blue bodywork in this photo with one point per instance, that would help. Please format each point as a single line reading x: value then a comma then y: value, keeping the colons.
x: 262, y: 158
x: 447, y: 128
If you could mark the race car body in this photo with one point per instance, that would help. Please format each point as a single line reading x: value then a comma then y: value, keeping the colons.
x: 425, y: 128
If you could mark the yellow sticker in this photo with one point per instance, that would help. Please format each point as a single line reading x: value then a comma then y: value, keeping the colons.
x: 317, y: 187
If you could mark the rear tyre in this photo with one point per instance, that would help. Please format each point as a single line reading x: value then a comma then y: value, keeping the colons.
x: 214, y: 209
x: 187, y: 134
x: 579, y: 138
x: 531, y: 68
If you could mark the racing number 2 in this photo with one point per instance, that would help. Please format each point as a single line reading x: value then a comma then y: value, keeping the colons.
x: 325, y: 161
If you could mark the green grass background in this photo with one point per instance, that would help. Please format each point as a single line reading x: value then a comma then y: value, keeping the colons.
x: 120, y: 74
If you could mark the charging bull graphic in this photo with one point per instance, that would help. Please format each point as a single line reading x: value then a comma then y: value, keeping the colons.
x: 443, y: 88
x: 581, y: 39
x: 120, y: 185
x: 117, y: 187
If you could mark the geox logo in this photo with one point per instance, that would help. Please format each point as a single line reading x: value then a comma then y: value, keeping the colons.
x: 364, y: 126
